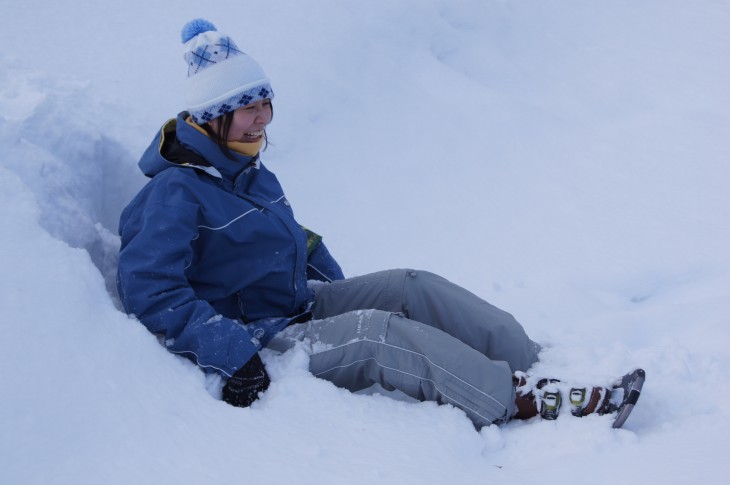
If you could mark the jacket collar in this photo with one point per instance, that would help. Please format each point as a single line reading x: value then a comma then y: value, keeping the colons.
x: 201, y: 144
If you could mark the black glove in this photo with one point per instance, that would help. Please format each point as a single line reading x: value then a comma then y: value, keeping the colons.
x: 242, y: 389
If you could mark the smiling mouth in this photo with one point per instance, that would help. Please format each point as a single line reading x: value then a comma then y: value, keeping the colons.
x: 253, y: 136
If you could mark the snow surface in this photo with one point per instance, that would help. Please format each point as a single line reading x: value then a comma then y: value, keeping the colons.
x: 568, y: 161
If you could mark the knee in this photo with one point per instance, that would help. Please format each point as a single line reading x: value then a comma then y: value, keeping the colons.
x: 419, y: 277
x: 420, y: 282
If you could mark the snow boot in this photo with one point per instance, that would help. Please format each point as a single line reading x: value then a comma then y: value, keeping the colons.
x: 584, y: 402
x: 524, y: 397
x: 618, y: 400
x: 550, y: 398
x: 543, y: 398
x: 624, y: 395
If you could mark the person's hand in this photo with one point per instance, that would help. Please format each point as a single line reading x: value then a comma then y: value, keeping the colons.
x: 243, y: 387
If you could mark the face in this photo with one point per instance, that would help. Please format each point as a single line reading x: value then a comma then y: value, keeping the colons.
x: 248, y: 122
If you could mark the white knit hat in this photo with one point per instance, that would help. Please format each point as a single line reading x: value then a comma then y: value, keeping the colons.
x: 221, y: 78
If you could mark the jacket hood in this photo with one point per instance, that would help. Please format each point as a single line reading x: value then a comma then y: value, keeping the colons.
x: 177, y: 144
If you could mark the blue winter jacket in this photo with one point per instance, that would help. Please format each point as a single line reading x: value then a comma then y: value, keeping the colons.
x: 210, y: 249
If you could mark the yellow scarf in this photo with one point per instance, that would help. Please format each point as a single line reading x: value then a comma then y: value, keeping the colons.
x: 248, y: 149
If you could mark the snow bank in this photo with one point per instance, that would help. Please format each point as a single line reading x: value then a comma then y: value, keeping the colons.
x: 567, y: 162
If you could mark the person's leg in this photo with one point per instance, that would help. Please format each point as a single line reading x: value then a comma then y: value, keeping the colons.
x: 358, y: 349
x: 435, y: 301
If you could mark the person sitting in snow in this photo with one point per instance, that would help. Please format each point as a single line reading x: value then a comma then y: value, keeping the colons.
x: 213, y: 261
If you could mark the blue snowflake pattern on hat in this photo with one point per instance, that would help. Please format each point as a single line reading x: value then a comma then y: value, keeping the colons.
x: 232, y: 104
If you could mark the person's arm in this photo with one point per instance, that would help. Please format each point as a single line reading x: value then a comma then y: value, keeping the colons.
x: 320, y: 263
x: 156, y: 249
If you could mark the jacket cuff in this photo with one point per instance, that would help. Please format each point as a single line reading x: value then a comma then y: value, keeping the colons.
x: 240, y: 351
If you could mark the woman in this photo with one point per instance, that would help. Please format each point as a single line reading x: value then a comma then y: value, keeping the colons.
x: 213, y: 261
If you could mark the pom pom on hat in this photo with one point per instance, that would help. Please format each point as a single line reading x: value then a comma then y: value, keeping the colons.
x: 195, y: 27
x: 221, y: 78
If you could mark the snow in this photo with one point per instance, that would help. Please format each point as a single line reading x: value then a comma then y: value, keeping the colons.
x: 567, y: 161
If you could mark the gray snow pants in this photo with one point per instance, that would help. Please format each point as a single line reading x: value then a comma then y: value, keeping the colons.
x: 421, y: 334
